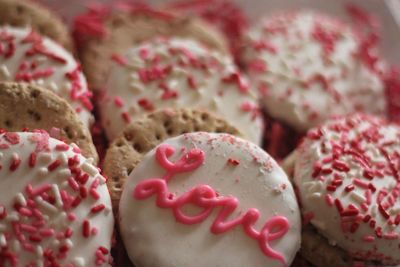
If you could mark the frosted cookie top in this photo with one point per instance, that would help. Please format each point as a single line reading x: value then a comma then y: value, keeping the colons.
x: 199, y: 196
x: 25, y: 56
x: 177, y: 73
x: 55, y: 209
x: 347, y: 174
x: 309, y: 66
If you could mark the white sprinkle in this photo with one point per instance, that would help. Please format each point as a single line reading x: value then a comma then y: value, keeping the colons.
x: 42, y: 172
x: 53, y: 86
x: 20, y: 199
x: 89, y: 169
x: 63, y: 174
x: 374, y: 210
x: 2, y: 227
x: 1, y: 155
x: 63, y: 158
x: 314, y: 196
x: 357, y: 197
x: 16, y: 245
x: 57, y: 195
x: 5, y: 72
x: 102, y: 180
x: 79, y: 262
x: 44, y: 158
x: 64, y: 184
x: 39, y: 263
x: 90, y: 160
x: 395, y: 210
x: 13, y: 217
x: 3, y: 241
x: 47, y: 206
x: 68, y: 243
x: 39, y: 251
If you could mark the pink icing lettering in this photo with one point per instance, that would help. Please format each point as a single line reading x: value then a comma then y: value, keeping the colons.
x: 206, y: 198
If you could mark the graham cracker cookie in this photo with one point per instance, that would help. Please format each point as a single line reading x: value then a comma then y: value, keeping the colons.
x: 25, y: 13
x: 123, y: 29
x: 142, y: 135
x: 26, y: 106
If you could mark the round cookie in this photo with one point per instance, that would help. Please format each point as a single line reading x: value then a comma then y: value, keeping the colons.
x: 347, y: 175
x: 55, y: 209
x: 25, y: 56
x: 26, y: 13
x: 142, y: 135
x: 179, y: 73
x: 309, y: 66
x: 201, y: 195
x: 103, y: 33
x: 33, y: 107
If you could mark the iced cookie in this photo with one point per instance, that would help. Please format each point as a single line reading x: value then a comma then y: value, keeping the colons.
x: 201, y: 195
x: 104, y: 32
x: 179, y: 73
x: 146, y: 133
x: 347, y: 175
x: 55, y: 209
x: 309, y: 66
x: 25, y: 56
x: 25, y: 106
x: 26, y: 13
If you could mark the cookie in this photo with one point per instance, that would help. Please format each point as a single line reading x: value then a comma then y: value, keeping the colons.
x: 347, y: 175
x: 33, y: 107
x: 29, y: 57
x: 55, y: 209
x: 25, y: 13
x: 107, y: 33
x: 144, y: 134
x: 173, y: 72
x: 309, y: 66
x: 201, y: 195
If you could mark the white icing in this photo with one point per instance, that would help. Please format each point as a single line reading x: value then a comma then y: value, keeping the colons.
x: 313, y: 192
x: 124, y: 82
x: 13, y: 184
x: 57, y: 82
x: 152, y: 237
x: 299, y: 57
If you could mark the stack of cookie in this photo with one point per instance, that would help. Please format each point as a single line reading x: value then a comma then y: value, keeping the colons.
x: 218, y: 143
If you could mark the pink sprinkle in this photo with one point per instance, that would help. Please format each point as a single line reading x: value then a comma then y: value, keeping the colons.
x: 32, y: 159
x: 16, y: 161
x: 73, y: 183
x: 339, y: 205
x: 120, y: 59
x: 98, y: 208
x: 62, y: 147
x: 71, y: 216
x: 86, y: 228
x: 360, y: 183
x: 38, y: 190
x: 25, y: 212
x: 54, y: 165
x: 329, y: 200
x: 369, y: 238
x: 94, y: 194
x: 118, y: 101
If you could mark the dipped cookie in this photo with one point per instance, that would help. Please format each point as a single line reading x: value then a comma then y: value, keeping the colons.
x: 309, y: 66
x: 29, y: 57
x: 201, y: 195
x: 347, y: 175
x: 29, y: 107
x: 108, y: 30
x: 181, y: 73
x: 55, y: 209
x: 31, y: 14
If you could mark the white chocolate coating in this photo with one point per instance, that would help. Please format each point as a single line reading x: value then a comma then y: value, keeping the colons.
x: 25, y: 56
x: 44, y: 205
x: 308, y: 66
x: 234, y: 168
x: 353, y: 163
x: 177, y: 73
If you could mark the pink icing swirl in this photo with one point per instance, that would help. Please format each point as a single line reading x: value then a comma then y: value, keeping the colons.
x: 205, y: 197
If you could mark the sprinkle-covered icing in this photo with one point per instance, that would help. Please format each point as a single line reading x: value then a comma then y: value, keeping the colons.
x: 55, y: 209
x: 308, y: 66
x: 347, y: 175
x: 25, y: 56
x: 200, y: 195
x: 177, y: 73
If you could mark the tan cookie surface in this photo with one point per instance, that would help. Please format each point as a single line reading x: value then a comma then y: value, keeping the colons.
x: 25, y: 13
x: 146, y: 133
x: 123, y: 30
x: 33, y: 107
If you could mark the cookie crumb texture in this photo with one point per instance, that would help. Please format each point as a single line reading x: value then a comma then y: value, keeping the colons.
x: 201, y: 195
x: 26, y: 106
x: 348, y: 183
x: 308, y: 66
x: 177, y: 73
x: 144, y: 134
x: 55, y: 209
x: 26, y: 13
x: 26, y: 56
